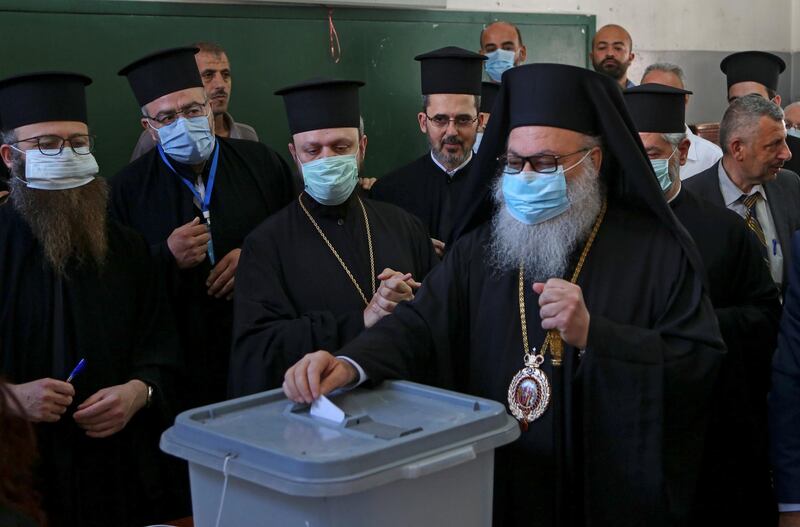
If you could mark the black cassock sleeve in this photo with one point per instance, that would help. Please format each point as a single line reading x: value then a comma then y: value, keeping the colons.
x: 269, y: 335
x: 645, y: 391
x: 750, y: 324
x: 156, y: 356
x: 646, y: 394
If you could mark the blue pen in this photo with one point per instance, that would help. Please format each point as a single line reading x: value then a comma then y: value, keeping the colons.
x: 774, y: 247
x: 78, y: 368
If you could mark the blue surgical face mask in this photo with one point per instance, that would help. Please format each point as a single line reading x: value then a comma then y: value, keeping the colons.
x: 794, y: 132
x: 661, y: 168
x: 331, y: 180
x: 188, y: 141
x: 478, y: 139
x: 532, y: 197
x: 499, y: 61
x: 59, y: 171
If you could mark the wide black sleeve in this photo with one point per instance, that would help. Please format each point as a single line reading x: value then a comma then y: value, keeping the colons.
x: 120, y: 197
x: 425, y: 257
x: 156, y: 356
x: 269, y: 334
x: 415, y: 342
x: 784, y: 399
x: 645, y: 398
x: 750, y: 323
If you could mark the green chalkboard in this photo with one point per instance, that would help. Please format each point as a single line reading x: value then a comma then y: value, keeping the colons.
x: 269, y: 47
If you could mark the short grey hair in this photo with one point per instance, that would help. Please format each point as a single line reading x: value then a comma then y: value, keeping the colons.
x: 8, y: 136
x: 742, y: 117
x: 666, y: 67
x: 674, y: 139
x: 592, y: 141
x: 792, y: 105
x: 426, y: 101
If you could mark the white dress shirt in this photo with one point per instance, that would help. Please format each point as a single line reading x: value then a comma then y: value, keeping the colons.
x: 702, y: 155
x: 730, y: 195
x: 451, y: 173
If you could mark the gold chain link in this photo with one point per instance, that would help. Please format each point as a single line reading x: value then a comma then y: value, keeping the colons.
x: 336, y: 254
x: 553, y: 338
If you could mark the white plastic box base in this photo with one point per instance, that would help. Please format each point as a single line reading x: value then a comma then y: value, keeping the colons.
x: 459, y: 496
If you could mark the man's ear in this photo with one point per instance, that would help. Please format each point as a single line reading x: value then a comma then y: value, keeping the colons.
x: 423, y: 122
x: 5, y: 153
x: 293, y: 152
x: 737, y: 147
x: 149, y: 129
x: 777, y: 99
x: 597, y: 158
x: 523, y: 54
x: 362, y: 147
x: 683, y: 150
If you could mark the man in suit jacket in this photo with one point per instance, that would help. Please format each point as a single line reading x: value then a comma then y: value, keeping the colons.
x: 784, y: 401
x: 750, y: 181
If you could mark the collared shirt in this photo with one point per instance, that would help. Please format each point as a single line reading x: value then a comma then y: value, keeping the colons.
x: 237, y: 131
x: 731, y: 195
x: 451, y: 173
x: 629, y: 84
x: 702, y: 155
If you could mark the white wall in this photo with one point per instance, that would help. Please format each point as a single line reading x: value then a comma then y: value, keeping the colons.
x: 710, y: 25
x: 695, y: 34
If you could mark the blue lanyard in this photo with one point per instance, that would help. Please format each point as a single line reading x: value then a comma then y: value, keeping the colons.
x: 204, y: 201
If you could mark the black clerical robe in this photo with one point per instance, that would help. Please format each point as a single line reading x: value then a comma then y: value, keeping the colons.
x: 293, y: 297
x: 736, y: 486
x: 251, y: 183
x: 426, y: 191
x: 634, y: 404
x: 4, y: 175
x: 118, y: 320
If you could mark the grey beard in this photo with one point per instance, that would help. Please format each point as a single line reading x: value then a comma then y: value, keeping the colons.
x: 545, y: 248
x: 67, y: 223
x: 446, y: 159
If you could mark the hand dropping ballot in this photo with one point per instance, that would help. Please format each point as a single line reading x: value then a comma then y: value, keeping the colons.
x: 325, y: 409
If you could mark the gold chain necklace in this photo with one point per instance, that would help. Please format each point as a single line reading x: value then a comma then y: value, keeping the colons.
x: 336, y: 254
x: 529, y: 391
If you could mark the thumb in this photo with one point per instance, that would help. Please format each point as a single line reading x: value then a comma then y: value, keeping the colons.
x: 538, y: 287
x: 387, y: 273
x: 195, y: 221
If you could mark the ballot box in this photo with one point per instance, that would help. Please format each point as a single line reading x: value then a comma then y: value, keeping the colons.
x: 404, y: 455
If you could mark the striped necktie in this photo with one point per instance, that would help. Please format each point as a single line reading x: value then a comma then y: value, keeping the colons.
x: 751, y: 219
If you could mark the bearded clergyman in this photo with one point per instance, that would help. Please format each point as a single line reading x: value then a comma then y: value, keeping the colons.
x: 78, y: 288
x: 573, y: 296
x: 429, y: 187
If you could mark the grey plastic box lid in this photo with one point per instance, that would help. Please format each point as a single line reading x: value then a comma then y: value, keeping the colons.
x: 397, y: 430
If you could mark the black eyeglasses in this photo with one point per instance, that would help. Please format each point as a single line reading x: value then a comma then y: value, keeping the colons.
x: 53, y: 145
x: 460, y: 121
x: 544, y: 164
x: 189, y: 111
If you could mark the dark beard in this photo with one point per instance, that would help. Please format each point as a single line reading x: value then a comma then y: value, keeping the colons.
x: 445, y: 158
x: 68, y: 223
x: 616, y: 71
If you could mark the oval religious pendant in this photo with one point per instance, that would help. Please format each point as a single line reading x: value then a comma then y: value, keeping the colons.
x: 529, y: 391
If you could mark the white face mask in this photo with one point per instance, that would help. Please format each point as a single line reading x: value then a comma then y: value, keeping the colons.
x: 60, y: 171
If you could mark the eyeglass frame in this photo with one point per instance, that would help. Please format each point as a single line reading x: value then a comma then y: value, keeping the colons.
x: 503, y: 160
x: 176, y: 113
x: 454, y: 120
x: 64, y: 141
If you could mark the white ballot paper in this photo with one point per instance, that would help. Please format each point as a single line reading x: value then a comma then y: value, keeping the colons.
x: 325, y: 409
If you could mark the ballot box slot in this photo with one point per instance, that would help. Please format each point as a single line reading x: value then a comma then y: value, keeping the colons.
x: 360, y: 424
